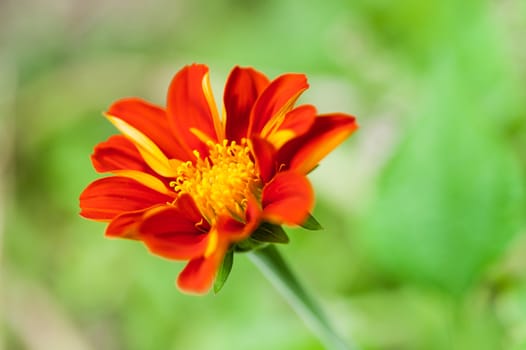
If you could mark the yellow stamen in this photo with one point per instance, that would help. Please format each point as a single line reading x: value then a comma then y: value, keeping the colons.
x: 220, y: 183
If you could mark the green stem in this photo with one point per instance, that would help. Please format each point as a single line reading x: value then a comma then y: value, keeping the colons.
x: 272, y: 265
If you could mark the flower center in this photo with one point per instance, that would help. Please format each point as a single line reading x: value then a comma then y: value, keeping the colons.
x: 220, y: 183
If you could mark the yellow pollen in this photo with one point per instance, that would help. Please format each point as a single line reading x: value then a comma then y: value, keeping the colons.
x: 220, y: 183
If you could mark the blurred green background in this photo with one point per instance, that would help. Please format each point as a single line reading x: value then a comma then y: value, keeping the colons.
x: 424, y: 209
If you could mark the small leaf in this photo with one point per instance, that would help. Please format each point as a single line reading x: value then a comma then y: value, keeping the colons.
x: 270, y: 233
x: 311, y: 224
x: 224, y: 271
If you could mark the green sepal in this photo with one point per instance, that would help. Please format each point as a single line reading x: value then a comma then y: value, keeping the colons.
x: 270, y: 233
x: 264, y: 234
x: 248, y: 245
x: 224, y: 271
x: 311, y: 224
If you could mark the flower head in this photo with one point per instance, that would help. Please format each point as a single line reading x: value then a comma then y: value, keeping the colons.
x: 192, y: 185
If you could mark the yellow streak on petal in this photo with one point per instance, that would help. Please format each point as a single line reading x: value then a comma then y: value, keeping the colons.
x: 207, y: 90
x: 280, y: 137
x: 151, y: 154
x: 174, y: 163
x: 145, y: 179
x: 201, y: 136
x: 314, y: 155
x: 212, y: 242
x: 277, y: 119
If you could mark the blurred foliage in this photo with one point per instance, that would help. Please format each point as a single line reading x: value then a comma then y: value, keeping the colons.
x: 423, y: 209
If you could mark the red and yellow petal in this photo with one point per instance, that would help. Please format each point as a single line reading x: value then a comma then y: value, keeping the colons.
x: 126, y: 225
x: 230, y: 230
x: 148, y: 149
x: 287, y: 199
x: 106, y: 198
x: 176, y: 232
x: 119, y: 156
x: 243, y: 87
x: 117, y: 153
x: 265, y: 157
x: 296, y: 123
x: 302, y: 154
x: 155, y: 183
x: 199, y: 274
x: 172, y: 233
x: 273, y: 103
x: 192, y: 114
x: 152, y: 121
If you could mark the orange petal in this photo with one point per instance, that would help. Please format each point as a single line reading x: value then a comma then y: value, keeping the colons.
x: 296, y: 123
x: 152, y: 121
x: 207, y: 90
x: 189, y: 107
x: 302, y: 154
x: 174, y: 234
x: 198, y: 276
x: 277, y: 99
x: 231, y: 231
x: 150, y: 152
x: 117, y: 153
x: 106, y: 198
x: 119, y: 156
x: 287, y: 199
x: 126, y: 225
x: 243, y: 87
x: 265, y: 155
x: 147, y: 180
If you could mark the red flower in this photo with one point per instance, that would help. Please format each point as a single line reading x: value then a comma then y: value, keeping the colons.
x: 190, y: 184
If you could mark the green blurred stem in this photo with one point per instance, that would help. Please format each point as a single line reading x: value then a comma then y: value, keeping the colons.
x: 272, y: 265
